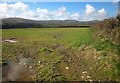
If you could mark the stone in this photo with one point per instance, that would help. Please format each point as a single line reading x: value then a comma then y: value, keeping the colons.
x: 90, y: 80
x: 82, y: 76
x: 88, y: 76
x: 67, y: 67
x: 40, y: 61
x: 30, y: 67
x: 20, y: 63
x: 84, y: 72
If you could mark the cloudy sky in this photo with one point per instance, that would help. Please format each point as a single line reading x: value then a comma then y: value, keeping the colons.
x: 82, y: 11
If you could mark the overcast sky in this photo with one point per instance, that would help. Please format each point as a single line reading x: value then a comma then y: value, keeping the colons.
x: 82, y: 11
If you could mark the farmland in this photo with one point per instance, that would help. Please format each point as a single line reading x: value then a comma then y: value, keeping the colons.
x: 57, y: 54
x: 51, y: 36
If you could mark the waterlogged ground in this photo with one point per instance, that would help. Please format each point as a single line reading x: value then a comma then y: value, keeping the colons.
x: 55, y: 55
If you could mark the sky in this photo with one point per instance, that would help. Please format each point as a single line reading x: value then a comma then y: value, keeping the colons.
x: 82, y: 11
x: 59, y: 0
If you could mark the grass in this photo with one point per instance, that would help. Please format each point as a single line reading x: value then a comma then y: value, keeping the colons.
x: 67, y: 36
x: 43, y: 44
x: 57, y: 48
x: 31, y: 41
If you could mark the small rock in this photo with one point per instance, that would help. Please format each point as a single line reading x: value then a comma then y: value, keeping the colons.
x: 99, y: 58
x: 40, y: 61
x: 11, y: 41
x: 82, y: 76
x: 20, y: 63
x: 90, y: 80
x: 31, y: 67
x: 84, y: 72
x: 26, y: 65
x: 91, y: 68
x: 88, y: 76
x: 67, y: 67
x: 95, y: 57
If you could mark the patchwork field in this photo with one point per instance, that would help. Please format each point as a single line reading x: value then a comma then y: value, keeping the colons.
x: 56, y: 54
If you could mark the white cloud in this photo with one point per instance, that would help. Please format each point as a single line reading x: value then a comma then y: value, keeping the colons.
x: 42, y: 14
x: 20, y: 9
x: 75, y: 16
x: 89, y: 9
x: 115, y: 1
x: 13, y: 10
x: 92, y: 14
x: 59, y: 14
x: 44, y: 11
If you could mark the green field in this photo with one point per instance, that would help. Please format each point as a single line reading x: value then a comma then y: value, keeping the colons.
x: 64, y: 53
x: 67, y: 36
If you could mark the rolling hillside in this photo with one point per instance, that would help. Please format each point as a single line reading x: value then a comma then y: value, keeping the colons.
x: 26, y: 23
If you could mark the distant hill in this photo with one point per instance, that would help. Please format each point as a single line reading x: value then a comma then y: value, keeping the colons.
x: 8, y: 23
